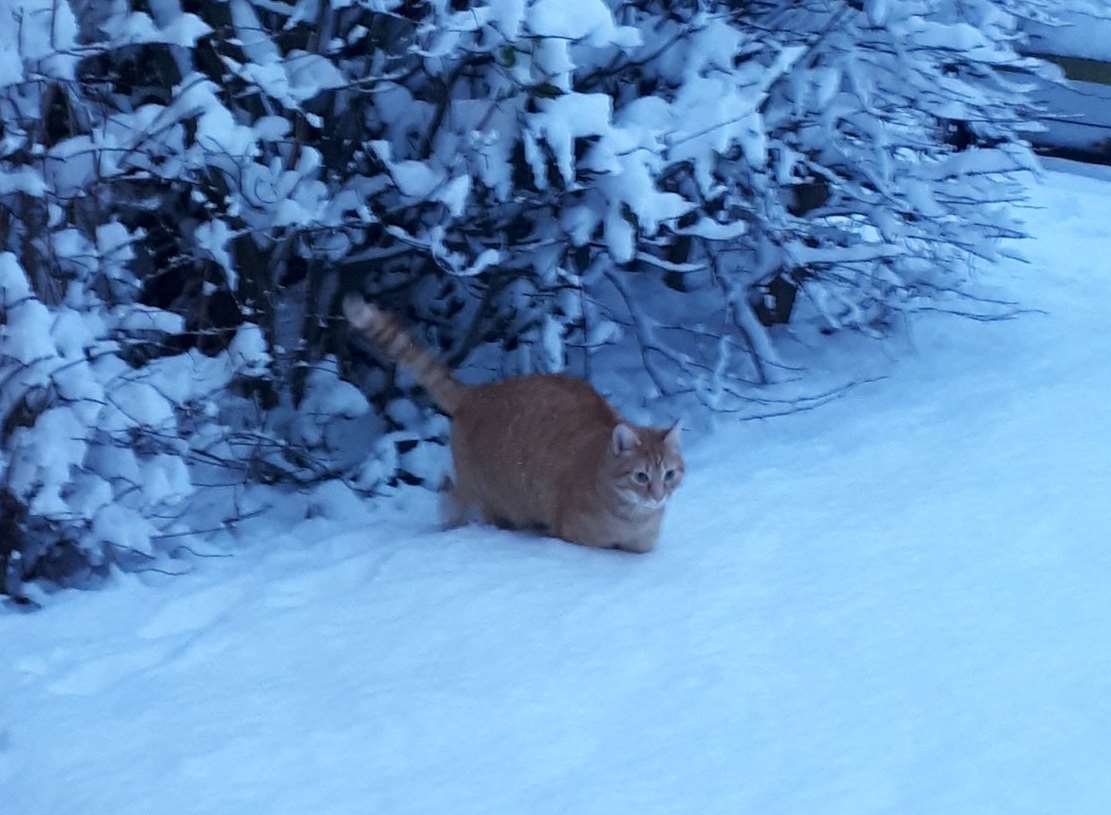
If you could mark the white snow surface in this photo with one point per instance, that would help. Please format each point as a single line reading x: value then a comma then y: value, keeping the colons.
x: 1079, y: 34
x: 896, y: 603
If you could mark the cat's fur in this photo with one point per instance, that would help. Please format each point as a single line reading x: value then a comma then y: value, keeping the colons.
x: 544, y: 452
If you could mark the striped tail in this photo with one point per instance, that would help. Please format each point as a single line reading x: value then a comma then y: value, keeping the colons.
x: 387, y: 334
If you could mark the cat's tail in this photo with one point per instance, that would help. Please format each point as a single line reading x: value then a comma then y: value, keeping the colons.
x: 385, y: 331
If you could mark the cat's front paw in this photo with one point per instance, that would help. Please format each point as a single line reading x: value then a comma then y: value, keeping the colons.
x: 636, y: 547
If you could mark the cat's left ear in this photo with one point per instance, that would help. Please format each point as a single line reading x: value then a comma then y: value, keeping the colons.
x: 623, y: 440
x: 672, y: 436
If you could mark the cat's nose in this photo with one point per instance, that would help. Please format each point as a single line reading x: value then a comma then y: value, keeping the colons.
x: 657, y: 491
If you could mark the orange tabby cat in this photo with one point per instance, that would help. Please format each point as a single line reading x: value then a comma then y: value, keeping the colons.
x: 542, y: 451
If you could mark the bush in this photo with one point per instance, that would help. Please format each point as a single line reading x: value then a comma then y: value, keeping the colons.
x: 188, y: 191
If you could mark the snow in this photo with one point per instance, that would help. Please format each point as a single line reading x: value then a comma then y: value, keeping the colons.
x: 579, y: 222
x: 23, y: 179
x: 271, y: 128
x: 119, y: 526
x: 47, y: 37
x: 619, y: 236
x: 561, y: 121
x: 508, y: 16
x: 1077, y: 34
x: 415, y: 178
x: 588, y: 20
x: 1079, y: 114
x: 330, y: 396
x: 139, y: 318
x: 713, y: 230
x: 877, y: 11
x: 114, y: 462
x: 137, y: 402
x: 45, y: 453
x: 13, y: 282
x: 251, y: 33
x: 455, y: 193
x: 165, y: 479
x: 551, y: 343
x: 11, y: 66
x: 247, y: 351
x: 310, y: 75
x: 895, y: 603
x: 960, y: 36
x: 25, y: 335
x: 328, y: 400
x: 213, y: 237
x: 486, y: 258
x: 139, y: 28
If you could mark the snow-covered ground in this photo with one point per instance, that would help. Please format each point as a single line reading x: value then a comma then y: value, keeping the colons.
x: 900, y: 602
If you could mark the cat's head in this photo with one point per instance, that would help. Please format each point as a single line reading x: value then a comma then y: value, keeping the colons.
x: 645, y: 464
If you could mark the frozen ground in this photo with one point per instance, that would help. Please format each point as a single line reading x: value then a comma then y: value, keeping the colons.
x: 899, y: 603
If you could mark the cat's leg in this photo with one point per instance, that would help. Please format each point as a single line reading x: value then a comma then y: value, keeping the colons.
x: 494, y: 518
x: 601, y: 534
x: 642, y: 540
x: 579, y: 531
x: 638, y: 546
x: 453, y: 507
x: 642, y: 536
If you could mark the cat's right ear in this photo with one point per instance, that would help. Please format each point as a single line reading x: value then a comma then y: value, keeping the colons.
x: 623, y: 440
x: 672, y: 436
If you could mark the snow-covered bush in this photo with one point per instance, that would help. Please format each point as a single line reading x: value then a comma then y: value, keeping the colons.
x: 563, y: 175
x: 109, y: 402
x: 187, y: 189
x: 97, y: 437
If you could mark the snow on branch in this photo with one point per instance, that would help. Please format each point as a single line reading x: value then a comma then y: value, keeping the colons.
x: 534, y: 184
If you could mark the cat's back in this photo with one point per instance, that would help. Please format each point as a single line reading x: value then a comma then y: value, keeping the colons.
x: 530, y: 427
x: 539, y: 396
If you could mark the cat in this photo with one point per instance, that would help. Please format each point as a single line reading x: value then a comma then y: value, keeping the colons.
x: 543, y: 452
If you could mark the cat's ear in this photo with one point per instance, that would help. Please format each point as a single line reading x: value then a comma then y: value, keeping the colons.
x: 672, y: 437
x: 623, y: 440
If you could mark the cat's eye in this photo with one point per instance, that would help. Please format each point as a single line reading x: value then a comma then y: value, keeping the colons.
x: 670, y: 474
x: 640, y: 477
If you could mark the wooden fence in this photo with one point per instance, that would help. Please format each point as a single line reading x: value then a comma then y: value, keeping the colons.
x: 1078, y: 111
